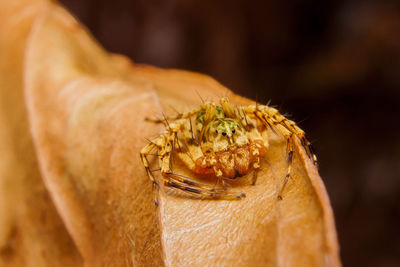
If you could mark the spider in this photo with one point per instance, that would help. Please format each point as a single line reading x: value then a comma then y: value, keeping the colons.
x: 224, y: 141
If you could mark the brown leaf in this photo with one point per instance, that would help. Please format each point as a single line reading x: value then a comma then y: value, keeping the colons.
x: 86, y: 110
x: 31, y: 231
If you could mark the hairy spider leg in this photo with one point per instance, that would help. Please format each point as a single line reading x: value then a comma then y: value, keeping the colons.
x: 186, y: 184
x: 291, y: 125
x: 289, y: 137
x: 187, y: 158
x: 143, y: 156
x: 275, y: 118
x: 228, y: 108
x: 256, y: 166
x: 263, y: 114
x: 186, y: 143
x: 178, y: 116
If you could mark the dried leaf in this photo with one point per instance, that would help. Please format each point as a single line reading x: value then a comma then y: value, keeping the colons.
x: 87, y: 125
x: 86, y: 110
x: 31, y: 231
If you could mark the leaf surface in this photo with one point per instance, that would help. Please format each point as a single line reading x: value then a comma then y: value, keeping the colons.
x: 86, y: 111
x: 31, y: 231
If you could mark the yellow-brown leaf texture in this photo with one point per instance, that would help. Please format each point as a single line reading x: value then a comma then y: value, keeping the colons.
x: 73, y: 191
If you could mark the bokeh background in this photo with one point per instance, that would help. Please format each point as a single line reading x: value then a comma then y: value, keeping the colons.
x: 334, y: 65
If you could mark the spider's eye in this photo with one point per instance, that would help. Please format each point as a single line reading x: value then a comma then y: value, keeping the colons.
x: 223, y: 133
x: 233, y: 131
x: 216, y: 131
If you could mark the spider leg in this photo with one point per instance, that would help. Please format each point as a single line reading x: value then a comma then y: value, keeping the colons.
x: 177, y: 116
x: 188, y: 140
x: 270, y: 116
x: 143, y: 156
x: 164, y: 148
x: 218, y: 174
x: 229, y: 109
x: 186, y: 184
x: 256, y: 166
x: 291, y: 126
x: 220, y: 180
x: 289, y: 162
x: 290, y: 151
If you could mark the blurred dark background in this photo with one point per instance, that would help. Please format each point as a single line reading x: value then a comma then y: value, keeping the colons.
x: 334, y: 65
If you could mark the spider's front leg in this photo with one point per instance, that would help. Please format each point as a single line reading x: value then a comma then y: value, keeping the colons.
x: 276, y: 118
x: 270, y: 117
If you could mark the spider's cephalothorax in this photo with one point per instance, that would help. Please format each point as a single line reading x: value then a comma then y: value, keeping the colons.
x: 223, y: 141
